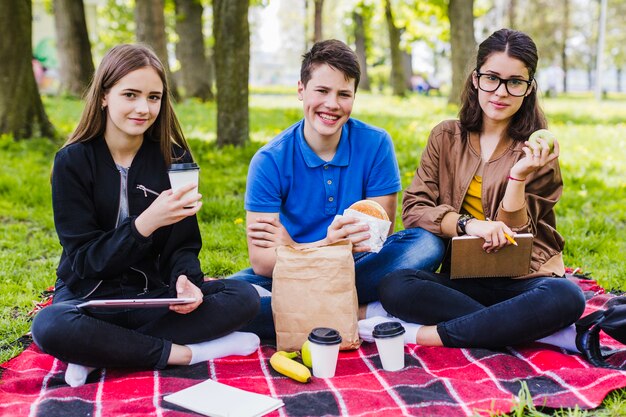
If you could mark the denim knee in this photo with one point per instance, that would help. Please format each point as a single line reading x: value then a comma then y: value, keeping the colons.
x: 392, y: 289
x: 423, y: 250
x: 250, y: 302
x: 49, y: 328
x: 569, y: 301
x: 248, y: 275
x: 431, y: 245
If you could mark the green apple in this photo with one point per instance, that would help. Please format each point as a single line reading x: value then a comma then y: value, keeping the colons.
x: 544, y: 134
x: 305, y: 353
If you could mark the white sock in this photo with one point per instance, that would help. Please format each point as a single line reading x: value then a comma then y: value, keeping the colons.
x: 76, y: 375
x: 374, y: 309
x: 236, y: 343
x: 564, y: 338
x: 262, y: 291
x: 366, y: 327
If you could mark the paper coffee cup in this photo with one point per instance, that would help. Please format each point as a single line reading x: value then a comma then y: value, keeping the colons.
x: 324, y: 351
x: 390, y: 344
x: 183, y: 174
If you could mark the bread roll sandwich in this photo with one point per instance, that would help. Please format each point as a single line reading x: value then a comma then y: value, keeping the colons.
x: 371, y: 208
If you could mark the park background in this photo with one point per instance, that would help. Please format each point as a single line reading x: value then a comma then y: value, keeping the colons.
x: 236, y: 64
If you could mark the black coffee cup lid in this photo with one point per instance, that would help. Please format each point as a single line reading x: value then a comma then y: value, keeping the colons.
x: 388, y: 329
x: 187, y: 166
x: 325, y: 336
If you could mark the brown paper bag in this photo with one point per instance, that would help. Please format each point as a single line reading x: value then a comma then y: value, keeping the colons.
x: 311, y: 288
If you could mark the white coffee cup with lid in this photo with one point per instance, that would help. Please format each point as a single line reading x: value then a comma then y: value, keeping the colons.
x: 324, y: 351
x: 184, y: 174
x: 389, y: 337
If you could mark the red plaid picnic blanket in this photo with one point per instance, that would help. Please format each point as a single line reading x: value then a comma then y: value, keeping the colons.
x: 435, y: 382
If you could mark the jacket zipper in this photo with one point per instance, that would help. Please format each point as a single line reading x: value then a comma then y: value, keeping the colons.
x: 145, y: 277
x: 117, y: 217
x: 146, y: 190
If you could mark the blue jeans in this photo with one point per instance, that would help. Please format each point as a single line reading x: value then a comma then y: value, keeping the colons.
x: 484, y: 312
x: 138, y: 337
x: 409, y: 248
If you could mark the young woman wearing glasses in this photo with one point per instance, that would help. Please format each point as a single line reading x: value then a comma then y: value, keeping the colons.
x: 478, y: 168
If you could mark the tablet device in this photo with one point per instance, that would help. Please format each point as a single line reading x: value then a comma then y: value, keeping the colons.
x: 469, y: 260
x: 137, y: 302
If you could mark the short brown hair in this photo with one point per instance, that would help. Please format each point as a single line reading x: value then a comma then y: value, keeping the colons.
x: 335, y: 54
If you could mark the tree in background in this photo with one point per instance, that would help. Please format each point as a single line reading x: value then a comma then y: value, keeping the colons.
x: 21, y: 110
x: 565, y: 29
x: 196, y: 71
x: 73, y: 47
x: 317, y: 21
x: 116, y: 25
x: 232, y: 62
x: 511, y: 14
x: 150, y: 29
x: 398, y: 84
x: 462, y: 44
x: 362, y: 14
x: 616, y: 39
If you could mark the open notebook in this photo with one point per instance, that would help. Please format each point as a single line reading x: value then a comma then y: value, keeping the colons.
x: 469, y: 260
x: 219, y: 400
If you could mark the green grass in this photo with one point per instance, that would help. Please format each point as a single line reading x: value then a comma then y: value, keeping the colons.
x: 591, y: 213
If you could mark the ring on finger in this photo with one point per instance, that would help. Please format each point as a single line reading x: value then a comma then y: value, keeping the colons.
x: 487, y: 241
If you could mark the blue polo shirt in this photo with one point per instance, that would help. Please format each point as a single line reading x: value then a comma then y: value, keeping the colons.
x: 287, y: 177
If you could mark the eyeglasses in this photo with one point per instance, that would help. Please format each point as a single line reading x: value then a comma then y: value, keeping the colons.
x: 514, y: 86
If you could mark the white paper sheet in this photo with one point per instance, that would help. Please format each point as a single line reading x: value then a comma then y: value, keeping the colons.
x: 379, y: 229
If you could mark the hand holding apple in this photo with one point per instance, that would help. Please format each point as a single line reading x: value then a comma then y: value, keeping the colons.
x: 544, y: 134
x: 541, y: 148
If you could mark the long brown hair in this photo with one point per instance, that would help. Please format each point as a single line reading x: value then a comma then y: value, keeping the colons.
x: 117, y: 63
x: 529, y: 117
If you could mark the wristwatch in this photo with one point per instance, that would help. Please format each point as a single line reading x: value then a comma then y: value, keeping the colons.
x: 462, y: 222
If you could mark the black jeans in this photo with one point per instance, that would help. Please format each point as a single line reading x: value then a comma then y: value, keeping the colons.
x: 138, y: 337
x: 486, y: 312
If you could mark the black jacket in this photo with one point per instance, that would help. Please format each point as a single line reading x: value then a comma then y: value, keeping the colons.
x: 85, y: 199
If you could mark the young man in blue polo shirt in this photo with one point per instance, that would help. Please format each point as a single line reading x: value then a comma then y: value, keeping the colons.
x: 316, y: 169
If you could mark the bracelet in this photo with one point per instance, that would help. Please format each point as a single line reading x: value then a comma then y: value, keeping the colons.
x: 517, y: 179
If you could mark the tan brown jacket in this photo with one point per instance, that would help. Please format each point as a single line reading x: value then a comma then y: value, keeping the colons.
x: 446, y: 169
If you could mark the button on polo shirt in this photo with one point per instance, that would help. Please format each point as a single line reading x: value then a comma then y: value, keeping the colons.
x: 286, y: 176
x: 329, y: 170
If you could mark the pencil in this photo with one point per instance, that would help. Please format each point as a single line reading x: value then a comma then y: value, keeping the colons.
x: 506, y: 235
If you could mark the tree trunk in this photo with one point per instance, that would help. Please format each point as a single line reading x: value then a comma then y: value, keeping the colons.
x: 232, y: 61
x: 407, y: 66
x: 150, y: 29
x: 360, y: 43
x: 619, y: 79
x: 511, y: 13
x: 196, y: 76
x: 317, y: 25
x: 565, y: 34
x: 462, y: 44
x: 73, y: 46
x: 21, y: 110
x: 397, y: 69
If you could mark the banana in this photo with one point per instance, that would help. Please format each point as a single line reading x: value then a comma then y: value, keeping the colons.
x: 290, y: 355
x: 283, y: 363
